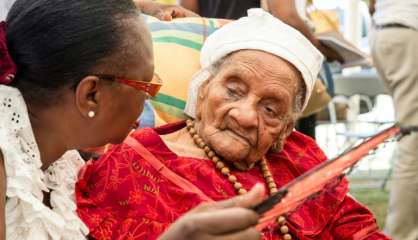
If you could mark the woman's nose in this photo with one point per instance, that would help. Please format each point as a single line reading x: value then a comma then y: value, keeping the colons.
x: 245, y: 113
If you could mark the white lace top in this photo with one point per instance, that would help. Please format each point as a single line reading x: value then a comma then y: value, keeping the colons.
x: 26, y: 215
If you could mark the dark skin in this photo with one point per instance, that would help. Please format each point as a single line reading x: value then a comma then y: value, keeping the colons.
x: 248, y: 106
x: 114, y: 105
x: 286, y: 11
x: 65, y: 125
x: 243, y: 109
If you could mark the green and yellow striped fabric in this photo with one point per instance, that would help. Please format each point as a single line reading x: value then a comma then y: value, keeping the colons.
x: 167, y: 1
x: 177, y: 47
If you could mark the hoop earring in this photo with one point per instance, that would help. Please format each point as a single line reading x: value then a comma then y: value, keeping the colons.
x: 91, y: 114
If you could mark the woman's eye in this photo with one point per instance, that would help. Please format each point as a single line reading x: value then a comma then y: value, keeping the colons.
x: 233, y: 92
x: 270, y: 111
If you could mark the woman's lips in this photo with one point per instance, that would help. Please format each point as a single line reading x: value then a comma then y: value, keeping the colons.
x: 239, y: 137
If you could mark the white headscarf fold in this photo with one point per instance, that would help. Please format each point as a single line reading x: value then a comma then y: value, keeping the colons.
x: 259, y: 31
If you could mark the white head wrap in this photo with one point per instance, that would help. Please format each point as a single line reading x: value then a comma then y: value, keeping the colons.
x: 259, y: 31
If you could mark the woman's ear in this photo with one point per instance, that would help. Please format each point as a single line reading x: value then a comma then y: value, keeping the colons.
x: 88, y: 95
x: 202, y: 93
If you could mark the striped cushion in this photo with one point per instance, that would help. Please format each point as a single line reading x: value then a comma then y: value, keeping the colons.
x: 177, y: 46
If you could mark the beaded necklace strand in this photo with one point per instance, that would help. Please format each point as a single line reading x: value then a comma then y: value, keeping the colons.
x: 221, y: 166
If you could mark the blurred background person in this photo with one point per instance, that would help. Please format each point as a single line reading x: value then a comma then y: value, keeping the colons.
x: 163, y: 10
x: 394, y: 50
x: 285, y: 10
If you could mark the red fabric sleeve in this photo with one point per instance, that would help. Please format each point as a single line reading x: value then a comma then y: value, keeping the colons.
x: 354, y: 221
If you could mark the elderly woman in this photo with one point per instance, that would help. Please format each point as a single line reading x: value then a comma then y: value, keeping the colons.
x: 257, y: 75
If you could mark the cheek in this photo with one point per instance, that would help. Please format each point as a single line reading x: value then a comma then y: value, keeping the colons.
x: 215, y: 106
x: 136, y: 105
x: 268, y: 135
x: 129, y: 108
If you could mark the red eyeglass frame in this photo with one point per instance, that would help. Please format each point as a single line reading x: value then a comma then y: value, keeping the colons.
x: 152, y: 87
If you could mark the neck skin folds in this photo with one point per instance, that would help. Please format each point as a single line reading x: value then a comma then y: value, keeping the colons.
x: 181, y: 143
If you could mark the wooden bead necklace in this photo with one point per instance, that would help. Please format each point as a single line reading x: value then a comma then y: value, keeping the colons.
x: 233, y: 179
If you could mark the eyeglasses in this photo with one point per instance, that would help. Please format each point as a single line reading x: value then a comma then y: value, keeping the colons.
x: 151, y: 87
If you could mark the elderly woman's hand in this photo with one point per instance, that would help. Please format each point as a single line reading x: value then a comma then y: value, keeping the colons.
x: 230, y: 219
x: 165, y: 12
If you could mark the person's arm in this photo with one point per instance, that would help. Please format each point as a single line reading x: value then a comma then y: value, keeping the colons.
x: 165, y: 12
x: 192, y: 5
x: 372, y: 7
x: 286, y: 11
x: 2, y: 198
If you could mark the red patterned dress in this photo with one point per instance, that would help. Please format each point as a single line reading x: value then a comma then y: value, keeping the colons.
x: 124, y: 196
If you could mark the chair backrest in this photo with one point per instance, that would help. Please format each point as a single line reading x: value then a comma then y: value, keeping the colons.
x: 365, y: 82
x: 327, y: 78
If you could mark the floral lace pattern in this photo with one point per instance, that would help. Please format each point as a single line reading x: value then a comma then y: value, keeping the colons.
x: 26, y: 215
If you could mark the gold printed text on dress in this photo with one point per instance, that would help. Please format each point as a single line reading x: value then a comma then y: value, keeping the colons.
x: 146, y: 173
x: 150, y: 189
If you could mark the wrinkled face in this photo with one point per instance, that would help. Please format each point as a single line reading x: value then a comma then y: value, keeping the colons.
x: 247, y: 106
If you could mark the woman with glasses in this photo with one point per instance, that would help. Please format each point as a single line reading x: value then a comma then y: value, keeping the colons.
x: 75, y: 74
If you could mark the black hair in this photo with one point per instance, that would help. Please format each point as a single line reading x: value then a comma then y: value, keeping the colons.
x: 56, y: 43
